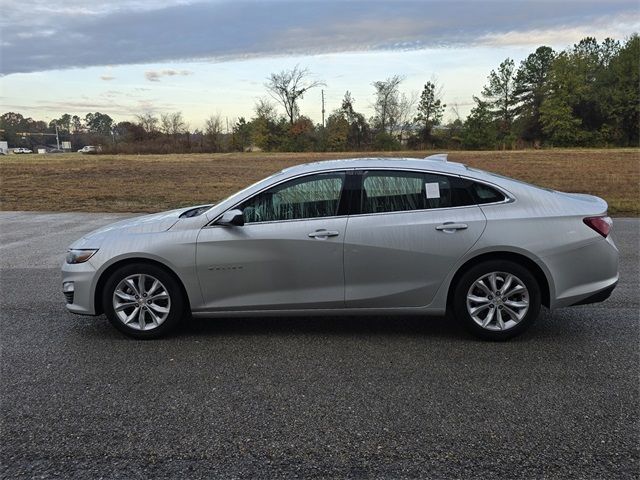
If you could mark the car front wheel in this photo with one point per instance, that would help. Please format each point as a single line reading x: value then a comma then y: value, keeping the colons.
x: 497, y: 299
x: 143, y: 301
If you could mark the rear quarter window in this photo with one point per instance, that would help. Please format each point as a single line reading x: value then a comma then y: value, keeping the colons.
x: 485, y: 194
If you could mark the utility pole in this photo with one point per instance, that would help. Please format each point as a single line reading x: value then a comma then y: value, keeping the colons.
x: 322, y: 108
x: 30, y: 134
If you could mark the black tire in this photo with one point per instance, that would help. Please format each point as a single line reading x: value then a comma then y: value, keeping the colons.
x: 176, y: 298
x: 476, y: 272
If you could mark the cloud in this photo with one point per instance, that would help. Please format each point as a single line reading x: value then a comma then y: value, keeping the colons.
x: 106, y: 78
x: 155, y: 75
x: 117, y: 32
x: 107, y: 105
x: 617, y: 28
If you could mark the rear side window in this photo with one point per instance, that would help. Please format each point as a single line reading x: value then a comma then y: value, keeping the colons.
x: 392, y: 192
x: 385, y: 191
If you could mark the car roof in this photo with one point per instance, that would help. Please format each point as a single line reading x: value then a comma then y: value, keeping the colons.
x: 437, y: 163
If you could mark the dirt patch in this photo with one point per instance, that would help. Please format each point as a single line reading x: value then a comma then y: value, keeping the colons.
x: 150, y: 183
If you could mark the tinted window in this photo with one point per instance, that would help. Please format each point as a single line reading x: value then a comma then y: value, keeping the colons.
x: 485, y: 194
x: 402, y: 191
x: 392, y: 192
x: 308, y: 197
x: 461, y: 192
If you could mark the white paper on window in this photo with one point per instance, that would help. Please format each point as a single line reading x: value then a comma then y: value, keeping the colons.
x: 432, y: 190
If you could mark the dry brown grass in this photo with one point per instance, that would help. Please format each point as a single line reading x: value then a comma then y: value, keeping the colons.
x: 131, y: 183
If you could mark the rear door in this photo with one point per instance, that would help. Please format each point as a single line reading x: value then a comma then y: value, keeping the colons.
x: 408, y: 231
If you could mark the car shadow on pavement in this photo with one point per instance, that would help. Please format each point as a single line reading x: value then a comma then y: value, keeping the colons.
x: 339, y: 326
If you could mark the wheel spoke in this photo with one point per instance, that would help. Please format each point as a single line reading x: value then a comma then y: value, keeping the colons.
x: 132, y: 285
x: 132, y: 316
x: 517, y: 289
x: 480, y: 284
x: 514, y: 315
x: 507, y: 282
x: 492, y: 282
x: 475, y: 310
x: 500, y: 320
x: 141, y: 289
x: 476, y: 299
x: 141, y: 319
x: 489, y: 317
x: 154, y: 287
x: 517, y: 304
x: 154, y: 318
x: 159, y: 296
x: 157, y: 308
x: 123, y: 306
x: 125, y: 296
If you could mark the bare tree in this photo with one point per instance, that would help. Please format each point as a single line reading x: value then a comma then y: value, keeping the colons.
x: 172, y: 123
x: 455, y: 110
x: 265, y: 109
x: 148, y: 122
x: 288, y: 86
x: 406, y: 112
x: 387, y: 102
x: 213, y: 131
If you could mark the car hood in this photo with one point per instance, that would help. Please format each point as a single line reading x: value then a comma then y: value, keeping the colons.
x: 154, y: 223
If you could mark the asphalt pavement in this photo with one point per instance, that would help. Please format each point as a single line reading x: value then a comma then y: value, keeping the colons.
x: 308, y: 397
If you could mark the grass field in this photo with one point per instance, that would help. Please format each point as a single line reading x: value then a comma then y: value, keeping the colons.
x: 132, y: 183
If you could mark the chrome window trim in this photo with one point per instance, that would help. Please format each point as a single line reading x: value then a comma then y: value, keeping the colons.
x: 420, y: 210
x: 509, y: 197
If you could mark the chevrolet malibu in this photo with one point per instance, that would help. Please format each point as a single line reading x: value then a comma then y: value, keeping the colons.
x: 353, y: 237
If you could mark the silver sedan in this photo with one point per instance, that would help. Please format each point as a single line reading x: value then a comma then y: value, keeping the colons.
x: 346, y: 237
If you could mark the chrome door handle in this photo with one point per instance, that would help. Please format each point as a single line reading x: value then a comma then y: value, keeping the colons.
x: 450, y: 227
x: 321, y: 234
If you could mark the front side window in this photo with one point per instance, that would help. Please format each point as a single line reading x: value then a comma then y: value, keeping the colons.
x: 314, y: 196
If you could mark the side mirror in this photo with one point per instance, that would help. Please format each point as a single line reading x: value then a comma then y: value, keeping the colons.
x: 231, y: 218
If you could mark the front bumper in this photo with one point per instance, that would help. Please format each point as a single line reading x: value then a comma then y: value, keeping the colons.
x: 82, y: 276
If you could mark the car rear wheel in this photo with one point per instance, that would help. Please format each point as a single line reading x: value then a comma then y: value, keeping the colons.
x: 497, y: 299
x: 143, y: 301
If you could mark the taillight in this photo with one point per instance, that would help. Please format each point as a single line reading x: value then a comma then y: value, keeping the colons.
x: 602, y: 225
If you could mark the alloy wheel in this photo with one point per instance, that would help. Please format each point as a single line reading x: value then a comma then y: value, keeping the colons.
x: 141, y: 302
x: 498, y: 301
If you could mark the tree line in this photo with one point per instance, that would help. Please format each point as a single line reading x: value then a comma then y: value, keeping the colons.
x: 586, y: 95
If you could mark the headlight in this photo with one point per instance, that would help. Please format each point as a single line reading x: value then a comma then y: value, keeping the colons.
x: 79, y: 256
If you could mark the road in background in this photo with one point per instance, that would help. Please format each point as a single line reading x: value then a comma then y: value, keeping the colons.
x: 359, y: 397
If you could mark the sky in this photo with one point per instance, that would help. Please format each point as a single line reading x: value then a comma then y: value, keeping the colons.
x: 126, y: 57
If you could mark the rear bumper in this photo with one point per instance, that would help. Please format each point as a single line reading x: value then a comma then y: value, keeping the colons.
x: 583, y: 273
x: 601, y: 296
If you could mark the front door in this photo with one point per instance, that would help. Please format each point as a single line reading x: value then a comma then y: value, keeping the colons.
x: 288, y: 255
